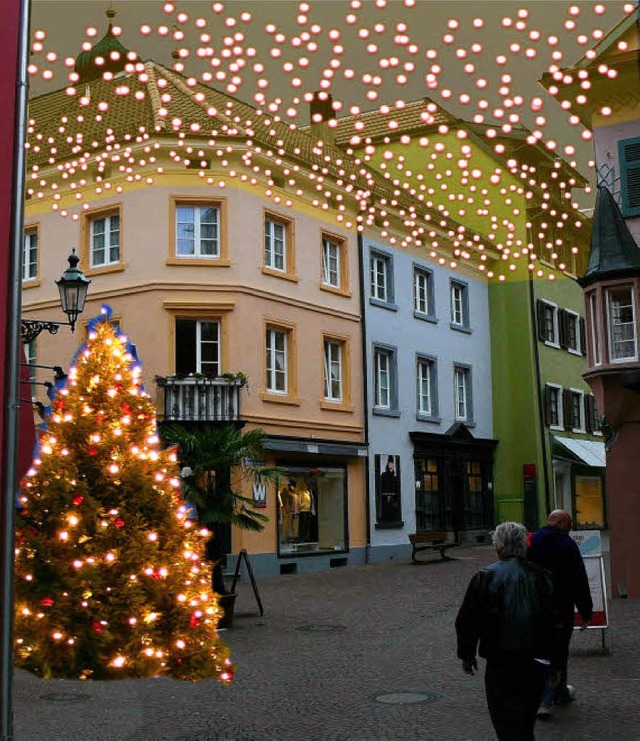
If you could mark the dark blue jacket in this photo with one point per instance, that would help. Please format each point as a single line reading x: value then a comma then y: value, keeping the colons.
x: 556, y: 551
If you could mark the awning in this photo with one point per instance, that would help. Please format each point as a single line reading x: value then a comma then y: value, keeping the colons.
x: 590, y: 452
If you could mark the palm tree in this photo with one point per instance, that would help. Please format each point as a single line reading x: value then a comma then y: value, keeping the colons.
x: 216, y: 460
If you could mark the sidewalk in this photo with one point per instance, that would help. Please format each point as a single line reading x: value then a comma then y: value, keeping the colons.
x: 315, y: 666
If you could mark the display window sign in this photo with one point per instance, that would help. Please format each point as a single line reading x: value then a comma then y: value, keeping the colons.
x: 388, y: 491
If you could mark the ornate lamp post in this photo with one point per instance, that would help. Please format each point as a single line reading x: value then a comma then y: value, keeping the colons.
x: 73, y: 287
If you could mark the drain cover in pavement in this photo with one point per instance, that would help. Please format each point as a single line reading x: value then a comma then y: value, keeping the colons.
x: 321, y: 628
x: 66, y: 697
x: 406, y: 698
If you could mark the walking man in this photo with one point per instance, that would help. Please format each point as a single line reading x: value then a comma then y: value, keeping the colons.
x: 553, y: 548
x: 508, y: 616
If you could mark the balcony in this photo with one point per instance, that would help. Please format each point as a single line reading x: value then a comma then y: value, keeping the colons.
x: 199, y: 399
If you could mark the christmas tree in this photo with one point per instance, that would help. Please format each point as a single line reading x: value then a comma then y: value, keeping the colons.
x: 110, y: 577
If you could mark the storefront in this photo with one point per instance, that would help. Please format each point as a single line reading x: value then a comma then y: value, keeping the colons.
x: 454, y: 483
x: 316, y: 511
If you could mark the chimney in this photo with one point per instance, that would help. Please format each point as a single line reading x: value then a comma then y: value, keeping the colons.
x: 321, y: 113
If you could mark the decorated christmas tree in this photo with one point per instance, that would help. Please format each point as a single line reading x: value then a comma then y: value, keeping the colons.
x: 110, y: 577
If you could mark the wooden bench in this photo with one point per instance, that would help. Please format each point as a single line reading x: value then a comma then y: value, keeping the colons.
x: 431, y: 540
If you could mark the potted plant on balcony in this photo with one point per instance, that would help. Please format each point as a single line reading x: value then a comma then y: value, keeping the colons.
x: 216, y: 460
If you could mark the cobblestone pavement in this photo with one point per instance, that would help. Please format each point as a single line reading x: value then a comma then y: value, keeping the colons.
x: 315, y: 666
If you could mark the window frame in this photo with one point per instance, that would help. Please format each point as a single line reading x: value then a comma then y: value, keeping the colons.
x: 608, y: 291
x: 197, y: 238
x: 385, y: 259
x: 573, y: 316
x: 108, y: 232
x: 340, y: 242
x: 466, y: 371
x: 559, y: 407
x: 429, y: 298
x: 222, y: 260
x: 271, y: 361
x: 463, y: 287
x: 327, y: 344
x: 431, y: 363
x: 389, y: 409
x: 86, y: 240
x: 31, y: 358
x: 288, y: 271
x: 30, y: 230
x: 594, y: 317
x: 579, y: 395
x: 269, y: 393
x: 198, y: 321
x: 549, y: 305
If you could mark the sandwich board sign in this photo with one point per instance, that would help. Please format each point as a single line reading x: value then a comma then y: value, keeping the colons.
x: 590, y: 544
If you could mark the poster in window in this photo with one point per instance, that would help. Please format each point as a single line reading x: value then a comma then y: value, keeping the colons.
x: 388, y: 488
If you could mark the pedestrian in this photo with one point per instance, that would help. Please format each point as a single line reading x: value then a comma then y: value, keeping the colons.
x: 553, y: 548
x: 507, y: 615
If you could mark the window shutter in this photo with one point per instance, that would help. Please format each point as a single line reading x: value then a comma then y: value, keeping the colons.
x: 629, y: 152
x: 567, y: 416
x: 583, y: 336
x: 547, y: 406
x: 562, y: 328
x: 540, y: 315
x: 588, y: 412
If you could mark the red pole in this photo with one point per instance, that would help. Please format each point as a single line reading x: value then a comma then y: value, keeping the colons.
x: 14, y: 48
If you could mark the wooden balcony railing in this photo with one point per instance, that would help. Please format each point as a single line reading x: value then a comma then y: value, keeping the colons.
x: 199, y: 399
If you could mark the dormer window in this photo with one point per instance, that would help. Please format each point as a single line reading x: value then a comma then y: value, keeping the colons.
x: 621, y: 321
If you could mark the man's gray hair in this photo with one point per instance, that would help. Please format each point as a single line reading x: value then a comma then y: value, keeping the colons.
x: 510, y: 539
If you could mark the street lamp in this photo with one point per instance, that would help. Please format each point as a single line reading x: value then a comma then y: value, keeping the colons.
x: 73, y: 287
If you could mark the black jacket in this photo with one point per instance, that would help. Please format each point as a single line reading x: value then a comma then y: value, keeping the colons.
x: 509, y: 610
x: 556, y: 551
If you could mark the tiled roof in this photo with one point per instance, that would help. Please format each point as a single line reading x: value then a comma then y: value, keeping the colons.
x: 375, y: 125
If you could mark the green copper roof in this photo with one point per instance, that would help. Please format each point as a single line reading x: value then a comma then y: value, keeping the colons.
x: 110, y: 50
x: 613, y: 250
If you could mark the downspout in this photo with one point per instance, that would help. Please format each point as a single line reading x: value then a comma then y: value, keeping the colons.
x: 365, y: 391
x: 541, y: 415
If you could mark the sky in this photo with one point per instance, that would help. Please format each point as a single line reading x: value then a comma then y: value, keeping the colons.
x: 391, y: 26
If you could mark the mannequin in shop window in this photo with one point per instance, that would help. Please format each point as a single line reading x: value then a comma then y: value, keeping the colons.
x: 289, y: 501
x: 389, y: 492
x: 307, y: 514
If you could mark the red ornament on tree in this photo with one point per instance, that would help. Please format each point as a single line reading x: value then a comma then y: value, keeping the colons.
x: 118, y: 522
x: 194, y: 622
x: 77, y: 500
x: 92, y: 450
x: 97, y: 626
x: 47, y: 601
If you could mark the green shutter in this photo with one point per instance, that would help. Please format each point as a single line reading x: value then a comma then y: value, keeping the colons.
x: 629, y: 153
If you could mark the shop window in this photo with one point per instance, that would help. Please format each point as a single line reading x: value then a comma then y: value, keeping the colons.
x: 429, y: 510
x: 475, y: 499
x: 589, y: 502
x: 388, y: 492
x: 312, y: 510
x: 622, y: 324
x: 198, y: 347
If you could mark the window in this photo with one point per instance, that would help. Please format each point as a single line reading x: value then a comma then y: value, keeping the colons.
x: 332, y: 370
x: 459, y: 305
x: 572, y: 331
x: 30, y: 255
x: 197, y: 230
x: 381, y: 278
x: 462, y: 393
x: 423, y: 292
x: 275, y: 245
x: 385, y: 397
x: 553, y: 406
x: 575, y: 411
x: 104, y: 240
x: 426, y: 387
x: 330, y: 263
x: 629, y: 154
x: 277, y: 382
x: 592, y: 302
x: 30, y: 350
x: 548, y: 323
x: 312, y: 509
x: 198, y: 347
x: 622, y: 324
x: 589, y: 504
x: 432, y: 512
x: 591, y: 415
x: 388, y: 490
